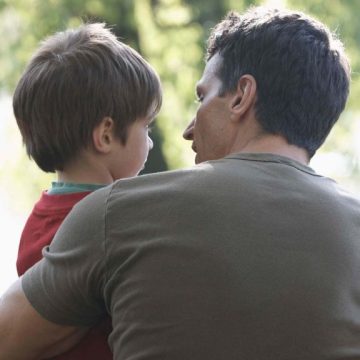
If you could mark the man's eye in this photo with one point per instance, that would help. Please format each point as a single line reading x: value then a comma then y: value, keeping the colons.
x: 150, y: 127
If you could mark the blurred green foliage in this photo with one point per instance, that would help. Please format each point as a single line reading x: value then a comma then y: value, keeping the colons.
x: 171, y: 34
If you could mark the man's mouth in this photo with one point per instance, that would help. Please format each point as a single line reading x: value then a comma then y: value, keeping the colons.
x: 193, y: 146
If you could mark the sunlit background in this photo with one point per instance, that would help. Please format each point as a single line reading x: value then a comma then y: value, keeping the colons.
x: 171, y: 34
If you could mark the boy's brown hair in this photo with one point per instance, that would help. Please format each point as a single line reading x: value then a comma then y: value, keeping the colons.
x: 74, y: 80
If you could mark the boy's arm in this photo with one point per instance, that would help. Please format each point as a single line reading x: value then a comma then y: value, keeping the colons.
x: 65, y: 287
x: 25, y: 334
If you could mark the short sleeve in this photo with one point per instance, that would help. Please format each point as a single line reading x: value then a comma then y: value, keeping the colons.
x: 66, y: 286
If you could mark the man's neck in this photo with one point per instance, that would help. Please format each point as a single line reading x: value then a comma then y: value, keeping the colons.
x: 273, y: 144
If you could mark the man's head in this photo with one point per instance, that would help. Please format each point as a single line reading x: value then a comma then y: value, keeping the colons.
x: 75, y: 80
x: 299, y: 67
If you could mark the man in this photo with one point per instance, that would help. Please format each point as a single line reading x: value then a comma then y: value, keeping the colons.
x: 248, y: 255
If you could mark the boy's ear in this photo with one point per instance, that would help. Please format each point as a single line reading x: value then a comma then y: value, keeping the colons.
x: 103, y: 135
x: 244, y: 97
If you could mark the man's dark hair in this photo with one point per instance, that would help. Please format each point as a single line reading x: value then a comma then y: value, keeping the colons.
x: 74, y: 80
x: 301, y: 71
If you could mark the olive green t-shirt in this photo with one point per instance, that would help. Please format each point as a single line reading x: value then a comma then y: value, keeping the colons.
x: 251, y: 257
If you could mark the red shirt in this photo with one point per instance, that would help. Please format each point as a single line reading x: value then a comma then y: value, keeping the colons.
x: 40, y: 228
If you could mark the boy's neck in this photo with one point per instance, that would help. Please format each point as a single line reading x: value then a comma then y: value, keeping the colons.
x: 63, y: 176
x: 85, y: 169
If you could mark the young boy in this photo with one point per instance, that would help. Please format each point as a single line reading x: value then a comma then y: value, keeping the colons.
x: 83, y: 105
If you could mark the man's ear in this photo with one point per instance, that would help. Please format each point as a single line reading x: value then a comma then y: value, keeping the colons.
x: 244, y: 97
x: 103, y: 135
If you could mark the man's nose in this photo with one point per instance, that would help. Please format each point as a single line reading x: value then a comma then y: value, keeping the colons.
x: 188, y: 134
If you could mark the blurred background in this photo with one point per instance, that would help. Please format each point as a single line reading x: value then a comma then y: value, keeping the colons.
x: 171, y: 35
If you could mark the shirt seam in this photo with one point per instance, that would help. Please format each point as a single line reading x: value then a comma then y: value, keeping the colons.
x: 278, y: 162
x: 106, y: 236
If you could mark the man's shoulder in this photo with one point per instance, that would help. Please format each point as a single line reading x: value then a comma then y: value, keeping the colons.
x: 166, y: 178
